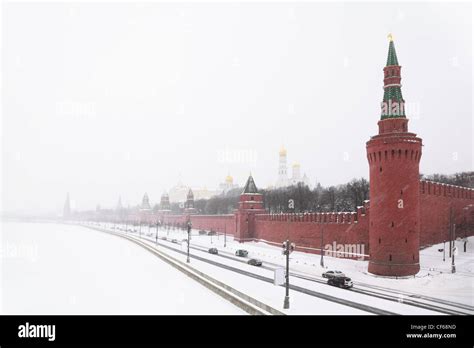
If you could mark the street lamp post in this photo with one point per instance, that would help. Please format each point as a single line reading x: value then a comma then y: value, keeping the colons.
x: 322, y: 252
x: 444, y: 250
x: 453, y: 266
x: 189, y: 237
x: 286, y: 303
x: 157, y: 223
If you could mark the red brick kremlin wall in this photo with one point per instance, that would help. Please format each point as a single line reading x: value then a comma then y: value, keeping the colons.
x: 348, y: 228
x: 436, y: 200
x: 342, y: 228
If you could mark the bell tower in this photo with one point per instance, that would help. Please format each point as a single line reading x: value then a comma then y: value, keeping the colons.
x: 394, y: 156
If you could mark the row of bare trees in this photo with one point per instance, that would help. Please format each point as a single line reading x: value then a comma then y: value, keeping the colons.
x: 345, y: 197
x: 465, y: 179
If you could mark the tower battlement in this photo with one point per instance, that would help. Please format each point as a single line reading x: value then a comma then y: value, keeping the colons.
x: 440, y: 189
x: 320, y: 218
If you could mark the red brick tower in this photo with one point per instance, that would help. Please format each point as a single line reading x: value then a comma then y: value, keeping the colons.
x: 250, y: 203
x: 394, y: 156
x: 189, y: 205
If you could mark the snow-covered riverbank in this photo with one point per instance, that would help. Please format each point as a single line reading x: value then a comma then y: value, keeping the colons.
x: 65, y: 269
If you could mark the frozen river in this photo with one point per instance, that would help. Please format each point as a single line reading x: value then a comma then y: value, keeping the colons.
x: 64, y: 269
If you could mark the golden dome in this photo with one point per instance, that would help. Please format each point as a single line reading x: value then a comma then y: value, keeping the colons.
x: 282, y: 151
x: 229, y: 179
x: 296, y: 164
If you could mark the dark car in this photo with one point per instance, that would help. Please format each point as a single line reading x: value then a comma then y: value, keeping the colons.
x: 332, y: 274
x: 341, y: 281
x: 241, y: 253
x: 211, y: 233
x: 254, y: 262
x: 202, y: 232
x: 213, y: 251
x: 175, y: 241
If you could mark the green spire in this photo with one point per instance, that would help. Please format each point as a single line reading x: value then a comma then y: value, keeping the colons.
x: 392, y: 54
x: 250, y: 186
x: 393, y: 105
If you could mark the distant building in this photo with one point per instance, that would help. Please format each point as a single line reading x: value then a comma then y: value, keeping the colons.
x: 228, y: 184
x: 189, y: 205
x: 67, y: 208
x: 204, y: 193
x: 179, y: 192
x: 119, y: 204
x: 283, y: 180
x: 145, y: 203
x: 165, y: 205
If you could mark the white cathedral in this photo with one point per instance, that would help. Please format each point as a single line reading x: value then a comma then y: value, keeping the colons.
x: 283, y: 179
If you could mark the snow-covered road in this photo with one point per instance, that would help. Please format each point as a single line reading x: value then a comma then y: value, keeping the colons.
x: 67, y: 269
x: 373, y: 295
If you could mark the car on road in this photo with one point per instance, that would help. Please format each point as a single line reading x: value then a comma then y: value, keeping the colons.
x: 341, y: 281
x: 213, y: 251
x: 241, y: 253
x: 254, y: 262
x: 332, y: 274
x: 175, y: 241
x: 202, y: 232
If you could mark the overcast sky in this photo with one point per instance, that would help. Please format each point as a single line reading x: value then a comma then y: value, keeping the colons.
x: 110, y: 99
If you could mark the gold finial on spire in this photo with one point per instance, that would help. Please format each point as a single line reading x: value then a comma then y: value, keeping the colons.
x: 390, y: 37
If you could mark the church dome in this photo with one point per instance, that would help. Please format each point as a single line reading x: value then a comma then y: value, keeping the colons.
x: 229, y: 179
x: 282, y: 151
